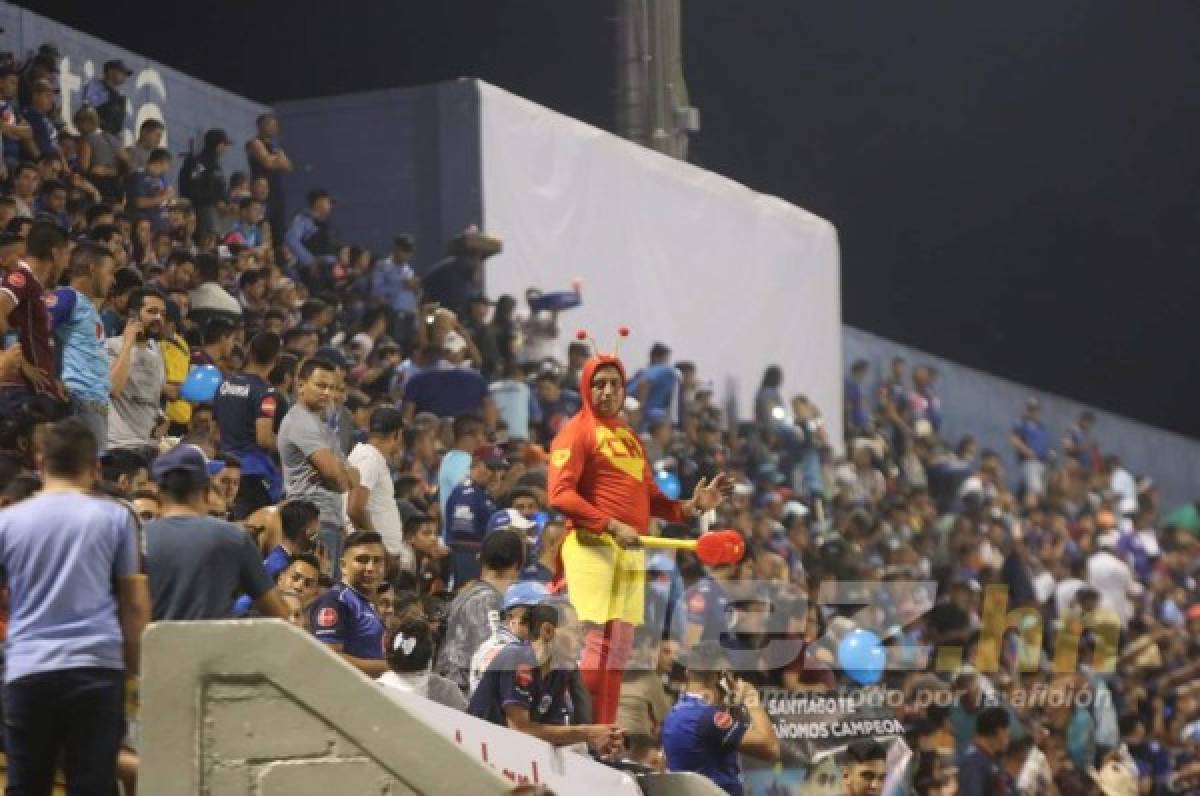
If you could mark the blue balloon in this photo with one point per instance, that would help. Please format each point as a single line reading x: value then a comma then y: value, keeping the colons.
x: 201, y: 384
x: 668, y: 482
x: 862, y: 657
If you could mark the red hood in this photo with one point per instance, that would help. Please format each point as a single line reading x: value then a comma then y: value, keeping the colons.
x: 585, y: 383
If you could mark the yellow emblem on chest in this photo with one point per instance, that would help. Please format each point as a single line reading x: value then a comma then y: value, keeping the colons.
x: 622, y: 450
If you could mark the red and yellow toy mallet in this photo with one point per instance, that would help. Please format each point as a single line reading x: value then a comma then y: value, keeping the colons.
x: 714, y: 548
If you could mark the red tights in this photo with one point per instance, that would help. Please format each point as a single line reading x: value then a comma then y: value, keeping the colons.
x: 605, y: 652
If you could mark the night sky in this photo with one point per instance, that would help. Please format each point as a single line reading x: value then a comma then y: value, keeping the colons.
x: 1014, y: 183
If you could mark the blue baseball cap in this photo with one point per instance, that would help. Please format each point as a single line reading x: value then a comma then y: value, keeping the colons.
x: 509, y: 520
x: 660, y: 562
x: 525, y: 592
x: 185, y: 457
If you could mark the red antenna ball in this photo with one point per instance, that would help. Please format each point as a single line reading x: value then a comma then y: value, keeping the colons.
x: 623, y: 331
x: 581, y: 335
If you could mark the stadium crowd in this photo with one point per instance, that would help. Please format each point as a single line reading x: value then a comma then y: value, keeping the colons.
x: 373, y: 468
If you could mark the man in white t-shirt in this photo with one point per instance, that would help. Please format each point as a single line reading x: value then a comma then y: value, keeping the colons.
x: 1109, y: 575
x: 372, y: 504
x: 539, y: 332
x: 1122, y: 482
x: 1075, y: 574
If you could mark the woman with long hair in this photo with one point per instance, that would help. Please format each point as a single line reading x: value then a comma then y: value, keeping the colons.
x: 504, y: 326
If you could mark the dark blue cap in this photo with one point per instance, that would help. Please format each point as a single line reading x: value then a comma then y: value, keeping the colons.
x: 185, y: 457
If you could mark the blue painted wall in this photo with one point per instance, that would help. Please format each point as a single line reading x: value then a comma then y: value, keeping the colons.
x: 395, y: 161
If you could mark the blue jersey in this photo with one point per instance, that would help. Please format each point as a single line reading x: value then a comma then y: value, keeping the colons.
x: 114, y: 323
x: 389, y: 283
x: 980, y: 775
x: 45, y: 134
x: 704, y: 739
x: 143, y: 185
x: 275, y: 562
x: 708, y: 606
x: 80, y: 335
x: 251, y: 234
x: 447, y: 392
x: 242, y: 399
x: 468, y: 510
x: 456, y: 465
x: 537, y: 571
x: 663, y: 381
x: 859, y: 415
x: 1035, y: 437
x: 513, y: 678
x: 343, y: 616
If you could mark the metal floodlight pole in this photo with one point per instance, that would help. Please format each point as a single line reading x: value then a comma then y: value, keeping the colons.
x: 652, y: 102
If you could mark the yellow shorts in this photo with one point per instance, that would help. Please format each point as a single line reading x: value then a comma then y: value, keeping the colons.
x: 604, y: 582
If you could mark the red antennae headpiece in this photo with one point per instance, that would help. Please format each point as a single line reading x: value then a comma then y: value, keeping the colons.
x: 622, y: 333
x: 583, y: 337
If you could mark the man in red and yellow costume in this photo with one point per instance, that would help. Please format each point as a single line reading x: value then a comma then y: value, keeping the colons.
x: 600, y: 479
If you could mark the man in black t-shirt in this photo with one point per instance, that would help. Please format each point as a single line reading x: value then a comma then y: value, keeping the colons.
x: 451, y: 282
x: 246, y: 409
x: 202, y: 179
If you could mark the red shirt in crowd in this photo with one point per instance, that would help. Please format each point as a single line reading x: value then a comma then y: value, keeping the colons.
x: 30, y: 319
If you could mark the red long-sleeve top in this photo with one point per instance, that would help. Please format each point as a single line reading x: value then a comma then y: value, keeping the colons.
x: 599, y: 471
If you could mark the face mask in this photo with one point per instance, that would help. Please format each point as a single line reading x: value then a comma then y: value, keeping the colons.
x: 543, y: 651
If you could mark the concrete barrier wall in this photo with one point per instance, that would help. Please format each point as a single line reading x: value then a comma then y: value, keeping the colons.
x: 988, y: 407
x: 679, y: 785
x: 260, y: 708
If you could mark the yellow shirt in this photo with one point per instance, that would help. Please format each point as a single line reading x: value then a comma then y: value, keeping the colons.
x: 177, y: 359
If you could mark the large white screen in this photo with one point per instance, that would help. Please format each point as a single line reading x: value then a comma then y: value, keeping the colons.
x: 729, y: 278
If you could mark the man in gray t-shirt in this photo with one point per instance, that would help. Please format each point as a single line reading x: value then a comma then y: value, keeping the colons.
x: 199, y: 565
x: 468, y: 623
x: 314, y: 467
x: 137, y: 372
